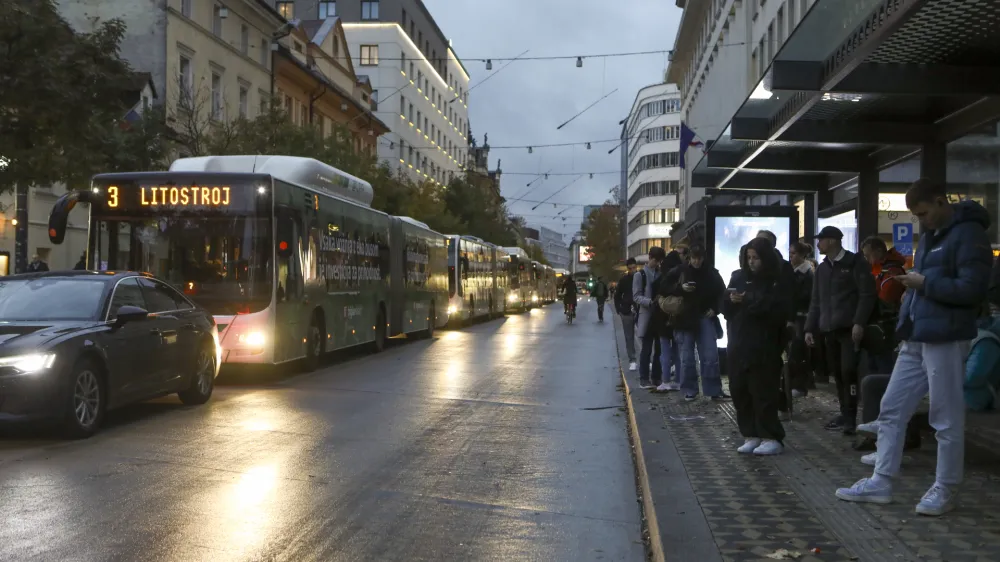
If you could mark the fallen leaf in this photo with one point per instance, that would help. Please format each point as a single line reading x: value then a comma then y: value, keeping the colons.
x: 784, y: 554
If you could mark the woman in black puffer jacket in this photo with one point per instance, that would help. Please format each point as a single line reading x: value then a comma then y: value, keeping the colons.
x: 755, y: 311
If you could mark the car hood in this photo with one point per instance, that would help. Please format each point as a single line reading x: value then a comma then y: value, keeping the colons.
x: 22, y: 334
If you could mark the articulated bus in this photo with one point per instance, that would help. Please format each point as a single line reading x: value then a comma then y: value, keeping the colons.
x: 547, y: 285
x: 285, y: 252
x: 477, y: 279
x: 520, y: 274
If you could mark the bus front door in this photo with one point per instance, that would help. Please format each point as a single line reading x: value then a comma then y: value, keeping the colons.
x: 289, y: 334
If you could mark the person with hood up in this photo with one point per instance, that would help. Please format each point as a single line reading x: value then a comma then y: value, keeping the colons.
x: 937, y: 322
x: 697, y: 325
x: 755, y: 308
x: 648, y: 329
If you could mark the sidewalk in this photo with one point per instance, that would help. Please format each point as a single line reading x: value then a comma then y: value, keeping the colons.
x: 742, y: 507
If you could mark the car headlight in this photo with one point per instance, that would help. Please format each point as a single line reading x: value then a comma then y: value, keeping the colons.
x: 29, y: 363
x: 254, y: 339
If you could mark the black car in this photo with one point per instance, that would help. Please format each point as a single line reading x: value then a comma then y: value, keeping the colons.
x: 75, y: 344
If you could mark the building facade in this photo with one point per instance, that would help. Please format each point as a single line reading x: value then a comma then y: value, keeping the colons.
x: 651, y: 140
x: 553, y: 245
x: 418, y: 83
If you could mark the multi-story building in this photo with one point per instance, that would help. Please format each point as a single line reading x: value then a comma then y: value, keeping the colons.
x: 651, y: 170
x: 316, y: 84
x: 553, y: 247
x: 418, y: 82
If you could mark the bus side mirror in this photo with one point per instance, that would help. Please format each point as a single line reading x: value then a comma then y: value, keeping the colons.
x: 60, y: 214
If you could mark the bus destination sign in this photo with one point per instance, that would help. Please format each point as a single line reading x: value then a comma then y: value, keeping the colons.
x: 169, y: 196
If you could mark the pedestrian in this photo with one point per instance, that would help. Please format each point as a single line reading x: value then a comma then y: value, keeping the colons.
x: 82, y: 264
x: 625, y: 307
x: 37, y: 264
x: 643, y: 293
x: 600, y: 293
x: 842, y: 302
x: 755, y: 311
x: 887, y: 266
x: 945, y: 292
x: 798, y: 354
x: 697, y: 325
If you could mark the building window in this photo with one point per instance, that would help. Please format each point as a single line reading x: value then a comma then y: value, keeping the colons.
x: 420, y: 117
x: 245, y: 40
x: 244, y: 100
x: 288, y: 107
x: 375, y: 99
x: 369, y: 55
x: 327, y: 10
x: 791, y: 16
x: 413, y: 29
x: 264, y: 99
x: 297, y: 46
x: 265, y: 50
x: 286, y: 9
x: 411, y: 71
x: 217, y: 96
x: 781, y: 25
x: 369, y: 9
x: 303, y: 115
x: 217, y: 21
x: 410, y: 114
x: 185, y: 80
x: 186, y: 8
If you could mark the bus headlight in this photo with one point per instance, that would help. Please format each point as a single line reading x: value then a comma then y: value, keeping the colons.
x: 452, y: 309
x: 513, y: 298
x: 534, y: 298
x: 253, y: 339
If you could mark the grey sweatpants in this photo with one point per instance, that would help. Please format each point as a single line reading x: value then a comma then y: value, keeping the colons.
x: 628, y: 323
x: 937, y: 369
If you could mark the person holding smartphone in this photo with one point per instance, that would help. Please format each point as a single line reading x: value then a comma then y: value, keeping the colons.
x: 697, y: 326
x: 756, y: 308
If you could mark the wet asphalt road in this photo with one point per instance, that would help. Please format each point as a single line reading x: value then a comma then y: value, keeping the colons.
x: 474, y: 446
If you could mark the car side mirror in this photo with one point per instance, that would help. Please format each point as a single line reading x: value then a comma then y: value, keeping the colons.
x: 130, y: 314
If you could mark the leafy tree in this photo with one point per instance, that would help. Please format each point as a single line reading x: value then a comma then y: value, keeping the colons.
x: 602, y: 232
x: 60, y: 94
x: 472, y: 199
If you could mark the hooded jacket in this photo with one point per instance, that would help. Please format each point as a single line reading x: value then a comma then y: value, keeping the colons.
x: 955, y: 262
x: 755, y: 327
x: 708, y: 293
x: 843, y: 294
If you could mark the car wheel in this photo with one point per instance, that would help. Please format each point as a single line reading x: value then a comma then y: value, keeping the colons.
x: 86, y: 403
x: 314, y: 345
x: 203, y: 381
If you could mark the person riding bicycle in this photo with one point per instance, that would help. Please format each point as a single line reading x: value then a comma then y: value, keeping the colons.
x: 569, y: 293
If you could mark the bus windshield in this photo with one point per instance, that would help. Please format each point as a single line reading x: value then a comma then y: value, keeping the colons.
x: 222, y: 262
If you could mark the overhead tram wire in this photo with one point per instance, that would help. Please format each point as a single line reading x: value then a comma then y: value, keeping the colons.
x: 480, y: 83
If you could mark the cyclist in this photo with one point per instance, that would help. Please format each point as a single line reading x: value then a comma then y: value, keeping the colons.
x: 569, y: 296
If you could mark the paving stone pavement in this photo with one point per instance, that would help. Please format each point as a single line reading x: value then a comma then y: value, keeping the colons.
x: 756, y: 506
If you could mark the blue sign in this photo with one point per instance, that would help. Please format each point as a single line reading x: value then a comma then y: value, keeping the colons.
x: 902, y: 238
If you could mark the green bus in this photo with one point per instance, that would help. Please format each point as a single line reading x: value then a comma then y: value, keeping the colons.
x: 285, y: 252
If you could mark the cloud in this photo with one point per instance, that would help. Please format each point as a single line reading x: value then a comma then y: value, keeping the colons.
x: 525, y: 103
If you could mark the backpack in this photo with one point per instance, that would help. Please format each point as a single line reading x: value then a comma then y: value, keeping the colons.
x: 671, y: 306
x: 982, y: 372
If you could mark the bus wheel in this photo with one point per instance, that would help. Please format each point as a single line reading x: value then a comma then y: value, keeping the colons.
x: 493, y: 310
x: 429, y: 332
x: 315, y: 343
x: 380, y: 329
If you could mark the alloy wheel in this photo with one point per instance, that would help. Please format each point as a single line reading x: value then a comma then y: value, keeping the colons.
x: 205, y: 372
x: 86, y: 398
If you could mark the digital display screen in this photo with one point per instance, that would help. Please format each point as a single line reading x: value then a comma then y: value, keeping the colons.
x: 151, y: 197
x: 731, y: 233
x: 584, y: 254
x: 848, y: 224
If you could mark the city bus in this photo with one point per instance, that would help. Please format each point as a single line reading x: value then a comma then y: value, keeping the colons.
x: 520, y: 274
x: 547, y: 286
x: 476, y: 284
x: 285, y: 252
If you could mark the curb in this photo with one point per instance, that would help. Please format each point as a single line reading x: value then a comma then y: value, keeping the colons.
x: 655, y: 542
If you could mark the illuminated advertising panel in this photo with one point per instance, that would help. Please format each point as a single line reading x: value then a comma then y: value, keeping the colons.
x: 584, y: 254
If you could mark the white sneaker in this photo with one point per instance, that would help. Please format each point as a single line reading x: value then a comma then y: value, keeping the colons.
x: 870, y: 428
x: 633, y: 366
x: 664, y: 387
x: 870, y: 459
x: 749, y: 445
x: 797, y: 393
x: 769, y: 447
x: 672, y: 386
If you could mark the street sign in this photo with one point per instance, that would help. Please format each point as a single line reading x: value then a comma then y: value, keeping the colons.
x: 902, y: 238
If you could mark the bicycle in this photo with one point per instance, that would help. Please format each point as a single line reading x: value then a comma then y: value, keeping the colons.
x: 570, y: 311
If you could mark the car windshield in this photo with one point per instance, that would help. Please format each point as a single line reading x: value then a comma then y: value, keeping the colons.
x: 50, y: 298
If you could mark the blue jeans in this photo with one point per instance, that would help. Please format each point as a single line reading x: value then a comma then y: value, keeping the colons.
x: 708, y: 354
x: 661, y: 364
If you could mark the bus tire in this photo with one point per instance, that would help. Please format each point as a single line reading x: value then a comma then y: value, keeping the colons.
x: 315, y: 342
x: 429, y: 332
x: 380, y: 329
x: 472, y: 309
x: 493, y: 309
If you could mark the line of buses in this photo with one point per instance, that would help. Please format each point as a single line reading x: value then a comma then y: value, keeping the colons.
x: 291, y: 259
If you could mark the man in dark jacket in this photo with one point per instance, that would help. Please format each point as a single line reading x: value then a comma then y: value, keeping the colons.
x: 937, y: 321
x: 600, y: 293
x: 798, y: 356
x: 786, y: 275
x: 625, y: 307
x: 843, y: 299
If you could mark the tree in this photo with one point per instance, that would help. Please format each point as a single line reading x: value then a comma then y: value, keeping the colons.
x: 473, y: 200
x: 602, y: 232
x: 60, y: 94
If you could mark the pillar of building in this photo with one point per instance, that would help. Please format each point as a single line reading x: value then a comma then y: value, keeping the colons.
x: 867, y: 206
x: 934, y: 162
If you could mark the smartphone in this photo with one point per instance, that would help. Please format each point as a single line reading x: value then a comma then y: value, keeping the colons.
x: 731, y: 291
